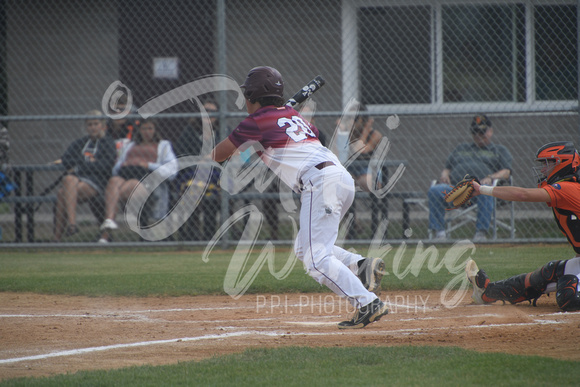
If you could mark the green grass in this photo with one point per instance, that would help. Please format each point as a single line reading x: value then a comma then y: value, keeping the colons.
x: 177, y: 273
x: 130, y: 274
x: 361, y: 366
x: 498, y: 261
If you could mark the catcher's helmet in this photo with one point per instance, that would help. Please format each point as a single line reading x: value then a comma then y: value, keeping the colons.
x: 263, y: 81
x: 558, y: 161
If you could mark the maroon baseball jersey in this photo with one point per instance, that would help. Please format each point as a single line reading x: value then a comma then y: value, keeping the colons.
x: 287, y: 143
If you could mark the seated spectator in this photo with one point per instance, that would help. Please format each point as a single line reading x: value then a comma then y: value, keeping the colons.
x: 363, y: 141
x: 88, y: 161
x: 480, y: 158
x: 189, y: 144
x: 122, y: 127
x: 6, y: 184
x: 145, y: 153
x: 121, y: 130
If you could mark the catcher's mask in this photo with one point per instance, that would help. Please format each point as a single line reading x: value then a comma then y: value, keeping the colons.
x: 263, y: 81
x: 558, y: 161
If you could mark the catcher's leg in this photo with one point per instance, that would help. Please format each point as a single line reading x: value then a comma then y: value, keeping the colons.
x: 567, y: 296
x: 522, y: 287
x: 525, y: 287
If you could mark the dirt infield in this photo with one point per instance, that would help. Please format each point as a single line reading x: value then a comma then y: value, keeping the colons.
x: 45, y: 335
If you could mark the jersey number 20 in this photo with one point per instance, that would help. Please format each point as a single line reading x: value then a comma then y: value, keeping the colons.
x: 296, y: 128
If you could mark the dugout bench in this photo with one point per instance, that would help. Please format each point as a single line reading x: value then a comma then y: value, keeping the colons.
x: 24, y: 199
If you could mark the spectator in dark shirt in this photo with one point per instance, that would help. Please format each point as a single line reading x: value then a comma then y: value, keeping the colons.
x: 481, y: 158
x: 89, y: 161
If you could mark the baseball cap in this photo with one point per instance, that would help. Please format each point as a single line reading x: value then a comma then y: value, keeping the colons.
x: 480, y: 124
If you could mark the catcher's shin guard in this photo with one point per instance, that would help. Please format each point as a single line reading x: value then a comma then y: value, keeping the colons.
x: 567, y: 296
x: 525, y: 287
x: 512, y: 290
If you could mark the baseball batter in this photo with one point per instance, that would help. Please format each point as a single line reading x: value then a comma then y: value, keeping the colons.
x: 289, y: 146
x: 559, y: 187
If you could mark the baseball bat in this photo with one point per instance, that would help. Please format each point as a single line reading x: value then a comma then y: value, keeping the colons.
x: 304, y: 93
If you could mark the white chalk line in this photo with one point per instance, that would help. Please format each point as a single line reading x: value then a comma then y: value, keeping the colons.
x: 561, y: 314
x: 310, y: 307
x: 109, y: 314
x: 130, y: 345
x: 259, y: 333
x: 536, y: 322
x: 130, y: 318
x: 138, y: 314
x: 453, y: 317
x: 82, y: 351
x: 159, y: 342
x: 53, y: 315
x: 129, y: 313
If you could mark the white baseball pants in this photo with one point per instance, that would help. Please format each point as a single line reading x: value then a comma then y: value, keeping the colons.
x: 327, y: 195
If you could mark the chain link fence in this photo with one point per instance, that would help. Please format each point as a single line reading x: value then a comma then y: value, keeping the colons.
x: 423, y: 69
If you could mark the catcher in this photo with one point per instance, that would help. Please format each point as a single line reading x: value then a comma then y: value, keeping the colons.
x: 559, y: 187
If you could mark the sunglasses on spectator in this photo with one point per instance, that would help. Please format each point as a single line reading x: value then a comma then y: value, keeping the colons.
x: 475, y: 131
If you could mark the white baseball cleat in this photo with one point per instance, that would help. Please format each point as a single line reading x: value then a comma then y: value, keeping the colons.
x: 478, y: 279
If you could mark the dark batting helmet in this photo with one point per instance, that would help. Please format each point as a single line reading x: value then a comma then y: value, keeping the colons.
x: 263, y: 81
x: 558, y: 161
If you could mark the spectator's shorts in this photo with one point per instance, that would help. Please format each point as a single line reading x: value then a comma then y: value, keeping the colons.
x: 133, y: 172
x: 96, y: 186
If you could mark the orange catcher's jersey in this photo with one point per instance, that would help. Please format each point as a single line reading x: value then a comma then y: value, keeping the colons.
x: 565, y: 203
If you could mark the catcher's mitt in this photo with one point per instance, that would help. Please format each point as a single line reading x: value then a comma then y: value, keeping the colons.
x: 461, y: 194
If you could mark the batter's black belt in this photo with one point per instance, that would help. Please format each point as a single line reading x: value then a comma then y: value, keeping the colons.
x: 322, y: 165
